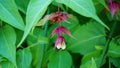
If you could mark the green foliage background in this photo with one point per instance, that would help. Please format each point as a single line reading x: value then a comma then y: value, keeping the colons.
x: 97, y: 44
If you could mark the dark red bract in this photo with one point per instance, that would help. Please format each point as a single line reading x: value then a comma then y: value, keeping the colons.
x: 58, y: 17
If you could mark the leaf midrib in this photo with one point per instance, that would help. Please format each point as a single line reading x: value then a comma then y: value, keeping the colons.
x: 91, y: 38
x: 83, y: 8
x: 110, y: 51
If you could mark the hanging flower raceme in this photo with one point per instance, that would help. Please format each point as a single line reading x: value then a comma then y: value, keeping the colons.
x: 59, y: 17
x: 114, y: 7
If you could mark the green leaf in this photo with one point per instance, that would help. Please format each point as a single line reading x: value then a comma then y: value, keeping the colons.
x: 22, y: 5
x: 7, y: 64
x: 95, y: 54
x: 115, y: 61
x: 87, y: 36
x: 19, y: 35
x: 36, y: 37
x: 114, y: 50
x: 35, y: 11
x: 91, y: 64
x: 61, y: 60
x: 83, y: 7
x: 7, y: 43
x: 37, y: 53
x: 2, y: 59
x: 87, y: 57
x: 37, y: 44
x: 9, y: 13
x: 24, y: 58
x: 48, y: 56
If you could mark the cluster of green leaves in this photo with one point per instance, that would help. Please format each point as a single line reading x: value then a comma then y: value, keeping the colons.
x: 22, y: 47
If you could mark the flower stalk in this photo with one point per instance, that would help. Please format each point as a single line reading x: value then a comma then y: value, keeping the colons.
x: 105, y: 51
x: 60, y: 17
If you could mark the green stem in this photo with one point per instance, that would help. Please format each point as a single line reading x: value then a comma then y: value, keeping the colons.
x: 109, y: 64
x: 45, y: 35
x: 103, y: 56
x: 43, y: 45
x: 45, y: 29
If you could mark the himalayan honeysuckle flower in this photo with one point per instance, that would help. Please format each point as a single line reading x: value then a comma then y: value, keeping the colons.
x: 61, y: 29
x: 114, y: 7
x: 60, y: 43
x: 54, y: 17
x: 58, y: 17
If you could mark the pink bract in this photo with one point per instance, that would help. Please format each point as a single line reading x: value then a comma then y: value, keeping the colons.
x: 61, y: 29
x: 60, y: 43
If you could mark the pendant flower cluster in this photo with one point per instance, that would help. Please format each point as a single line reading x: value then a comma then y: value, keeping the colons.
x: 60, y: 17
x: 114, y: 7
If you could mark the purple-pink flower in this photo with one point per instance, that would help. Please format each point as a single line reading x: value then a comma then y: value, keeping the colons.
x: 114, y: 7
x: 60, y: 43
x: 61, y: 29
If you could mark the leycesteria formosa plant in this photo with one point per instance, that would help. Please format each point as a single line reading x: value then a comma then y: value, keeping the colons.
x: 58, y: 17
